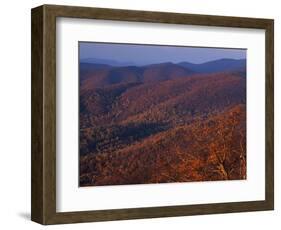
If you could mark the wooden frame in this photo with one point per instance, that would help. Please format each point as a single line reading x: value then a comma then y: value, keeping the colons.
x: 43, y: 208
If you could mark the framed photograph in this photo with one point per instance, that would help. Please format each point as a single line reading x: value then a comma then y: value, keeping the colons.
x: 141, y: 114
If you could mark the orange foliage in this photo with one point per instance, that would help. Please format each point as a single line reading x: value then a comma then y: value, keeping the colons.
x: 178, y: 130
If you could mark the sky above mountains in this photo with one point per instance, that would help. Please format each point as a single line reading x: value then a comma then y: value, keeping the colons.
x: 132, y: 54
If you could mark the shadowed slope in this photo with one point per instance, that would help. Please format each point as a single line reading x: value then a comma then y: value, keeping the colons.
x: 196, y: 152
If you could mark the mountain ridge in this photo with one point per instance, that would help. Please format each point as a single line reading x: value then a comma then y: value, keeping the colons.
x: 100, y: 75
x: 161, y: 123
x: 219, y: 65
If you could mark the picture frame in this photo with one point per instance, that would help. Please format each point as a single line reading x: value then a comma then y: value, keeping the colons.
x: 44, y: 122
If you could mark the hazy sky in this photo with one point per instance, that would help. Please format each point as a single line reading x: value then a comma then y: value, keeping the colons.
x: 149, y: 54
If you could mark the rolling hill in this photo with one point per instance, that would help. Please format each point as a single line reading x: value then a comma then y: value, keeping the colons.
x: 180, y: 154
x: 221, y: 65
x: 161, y: 123
x: 101, y: 75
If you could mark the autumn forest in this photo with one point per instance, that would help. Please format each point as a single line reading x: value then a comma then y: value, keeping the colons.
x: 162, y: 122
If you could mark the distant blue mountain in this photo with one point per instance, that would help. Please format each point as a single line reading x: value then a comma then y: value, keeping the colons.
x: 220, y: 65
x: 106, y: 62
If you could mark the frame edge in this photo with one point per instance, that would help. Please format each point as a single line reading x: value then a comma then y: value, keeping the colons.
x: 37, y: 189
x: 269, y: 123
